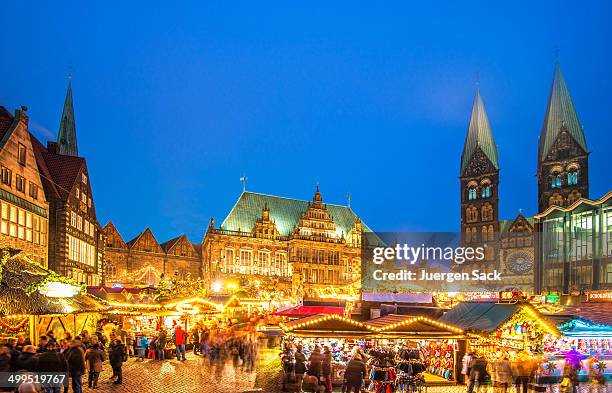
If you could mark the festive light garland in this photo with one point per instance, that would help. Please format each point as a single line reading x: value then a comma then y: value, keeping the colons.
x: 14, y: 328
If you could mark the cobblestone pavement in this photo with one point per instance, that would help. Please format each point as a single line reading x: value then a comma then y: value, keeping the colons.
x: 197, y: 375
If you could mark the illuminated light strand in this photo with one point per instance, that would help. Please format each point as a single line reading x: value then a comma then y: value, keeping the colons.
x: 14, y: 327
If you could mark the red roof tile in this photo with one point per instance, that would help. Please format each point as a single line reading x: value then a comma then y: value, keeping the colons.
x: 592, y: 311
x: 6, y: 119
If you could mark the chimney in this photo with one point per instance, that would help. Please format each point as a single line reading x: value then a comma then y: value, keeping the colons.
x: 52, y: 147
x: 21, y: 115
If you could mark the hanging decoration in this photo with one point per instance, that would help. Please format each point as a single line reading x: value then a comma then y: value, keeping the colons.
x: 14, y: 328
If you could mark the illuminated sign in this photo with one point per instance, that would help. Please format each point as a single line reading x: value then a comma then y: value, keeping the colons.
x: 58, y: 289
x: 599, y: 296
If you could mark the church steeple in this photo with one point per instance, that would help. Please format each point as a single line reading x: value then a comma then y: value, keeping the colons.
x: 479, y: 180
x: 560, y: 115
x: 66, y: 137
x: 563, y: 157
x: 479, y: 136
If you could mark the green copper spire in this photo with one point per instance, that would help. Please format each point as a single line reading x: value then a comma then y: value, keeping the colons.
x: 66, y: 138
x: 560, y: 114
x: 479, y: 136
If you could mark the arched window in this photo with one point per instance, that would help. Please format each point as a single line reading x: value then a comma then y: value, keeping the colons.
x: 471, y: 193
x: 572, y: 178
x: 491, y: 233
x: 486, y: 191
x: 487, y: 212
x: 573, y: 197
x: 555, y: 199
x: 471, y: 214
x: 556, y: 180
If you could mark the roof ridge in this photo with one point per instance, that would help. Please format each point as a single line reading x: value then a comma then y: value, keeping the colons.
x: 292, y: 199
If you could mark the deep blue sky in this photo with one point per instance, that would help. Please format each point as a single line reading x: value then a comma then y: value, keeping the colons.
x: 175, y: 101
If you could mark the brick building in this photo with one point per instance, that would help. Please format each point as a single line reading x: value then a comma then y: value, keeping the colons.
x: 75, y: 241
x: 142, y: 260
x: 24, y: 210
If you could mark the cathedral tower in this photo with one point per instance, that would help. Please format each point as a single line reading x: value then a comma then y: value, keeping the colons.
x: 479, y: 181
x: 563, y: 156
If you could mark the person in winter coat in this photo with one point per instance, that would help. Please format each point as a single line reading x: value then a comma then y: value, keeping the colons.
x: 503, y: 371
x: 355, y: 373
x: 51, y: 361
x: 195, y: 337
x: 326, y: 369
x: 300, y: 367
x: 75, y: 356
x: 162, y: 339
x: 180, y: 339
x: 465, y: 366
x: 315, y: 360
x: 94, y: 357
x: 116, y: 357
x: 27, y: 360
x: 478, y: 373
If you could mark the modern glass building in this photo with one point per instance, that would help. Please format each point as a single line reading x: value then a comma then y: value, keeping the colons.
x: 574, y: 247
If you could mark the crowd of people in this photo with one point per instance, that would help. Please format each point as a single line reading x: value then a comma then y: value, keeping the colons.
x: 77, y: 357
x: 501, y: 374
x: 314, y: 374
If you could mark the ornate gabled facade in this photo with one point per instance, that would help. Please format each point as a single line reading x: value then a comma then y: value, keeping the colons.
x: 563, y: 157
x: 76, y: 247
x: 479, y: 179
x: 24, y: 210
x: 142, y: 260
x: 303, y: 246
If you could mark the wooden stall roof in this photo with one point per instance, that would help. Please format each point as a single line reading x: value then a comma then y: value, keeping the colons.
x: 19, y: 275
x: 328, y: 325
x: 418, y: 326
x: 486, y: 317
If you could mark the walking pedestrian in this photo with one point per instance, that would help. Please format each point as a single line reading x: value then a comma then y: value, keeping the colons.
x: 162, y: 339
x: 75, y: 356
x: 116, y: 357
x: 52, y: 361
x: 355, y: 373
x: 195, y: 338
x: 27, y: 360
x: 94, y: 357
x: 180, y: 338
x: 315, y: 361
x: 478, y: 373
x: 326, y: 369
x: 300, y: 367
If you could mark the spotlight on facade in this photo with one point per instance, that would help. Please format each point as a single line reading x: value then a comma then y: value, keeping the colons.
x: 216, y: 287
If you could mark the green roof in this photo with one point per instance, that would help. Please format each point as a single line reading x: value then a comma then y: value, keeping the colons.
x: 479, y: 135
x: 285, y: 212
x: 483, y: 317
x: 66, y: 137
x: 560, y: 113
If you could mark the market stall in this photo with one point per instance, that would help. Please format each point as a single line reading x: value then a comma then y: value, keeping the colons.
x: 497, y: 329
x: 437, y: 344
x: 587, y: 343
x: 35, y: 300
x: 338, y: 333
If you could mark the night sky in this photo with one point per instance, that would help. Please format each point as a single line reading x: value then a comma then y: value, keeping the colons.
x: 174, y: 102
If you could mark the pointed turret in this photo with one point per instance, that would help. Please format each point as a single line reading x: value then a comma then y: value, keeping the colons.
x: 479, y: 136
x: 560, y: 115
x: 66, y: 137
